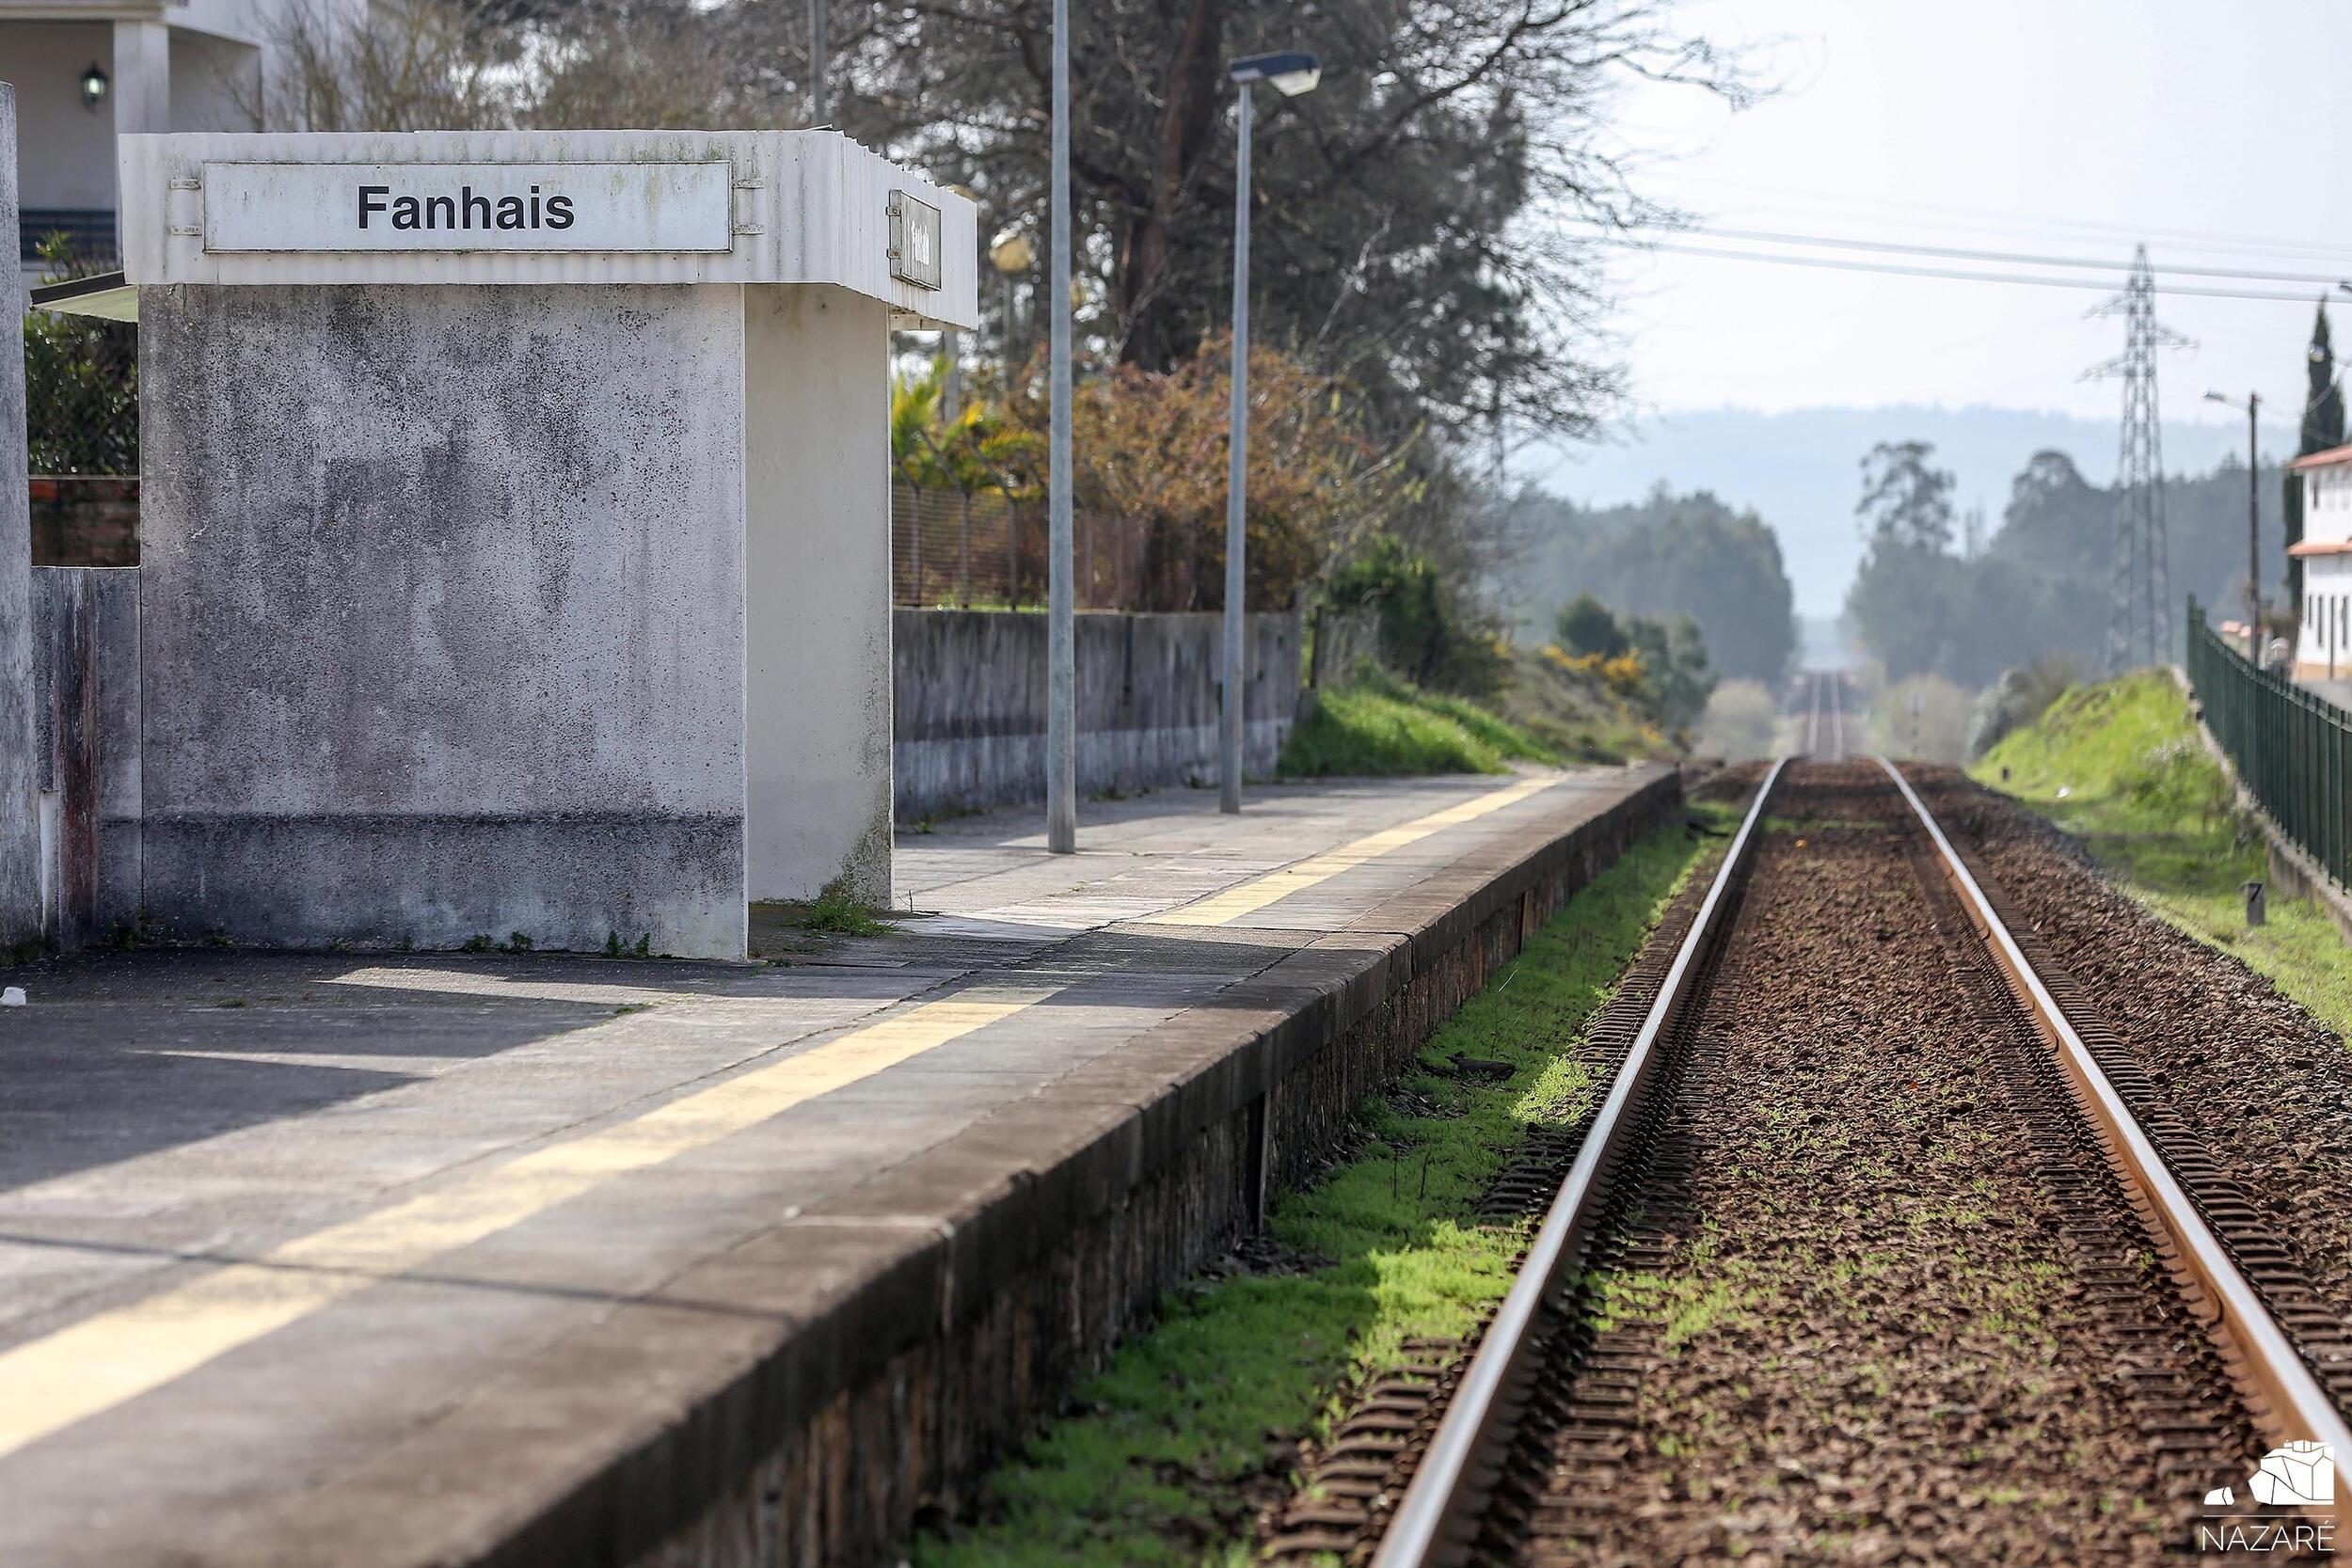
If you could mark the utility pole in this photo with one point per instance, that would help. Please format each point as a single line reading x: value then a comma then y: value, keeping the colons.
x: 2254, y: 520
x: 1231, y: 732
x: 816, y: 62
x: 2253, y: 523
x: 2139, y: 610
x: 1292, y: 71
x: 1062, y: 682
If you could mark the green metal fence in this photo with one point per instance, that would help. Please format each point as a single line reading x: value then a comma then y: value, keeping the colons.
x: 2292, y: 750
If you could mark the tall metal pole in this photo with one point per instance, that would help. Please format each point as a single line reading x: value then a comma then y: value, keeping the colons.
x: 818, y: 62
x: 2253, y: 533
x: 1009, y: 333
x: 1229, y: 732
x: 1062, y: 736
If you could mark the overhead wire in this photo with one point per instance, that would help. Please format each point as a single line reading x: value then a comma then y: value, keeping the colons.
x: 1897, y: 269
x: 1907, y: 247
x: 1961, y: 217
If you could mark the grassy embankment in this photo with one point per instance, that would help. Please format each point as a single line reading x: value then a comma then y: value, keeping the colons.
x: 1377, y: 723
x: 1189, y: 1424
x: 2118, y: 765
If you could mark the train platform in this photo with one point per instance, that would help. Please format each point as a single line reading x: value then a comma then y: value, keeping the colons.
x: 360, y: 1259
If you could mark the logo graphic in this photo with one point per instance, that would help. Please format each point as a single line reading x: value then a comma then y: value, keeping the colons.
x: 2297, y: 1475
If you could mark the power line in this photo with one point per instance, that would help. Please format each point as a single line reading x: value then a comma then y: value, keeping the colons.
x: 1896, y: 269
x: 1900, y: 247
x: 2034, y: 223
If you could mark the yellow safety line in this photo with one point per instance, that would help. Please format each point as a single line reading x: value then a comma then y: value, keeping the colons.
x: 51, y: 1382
x: 1219, y: 909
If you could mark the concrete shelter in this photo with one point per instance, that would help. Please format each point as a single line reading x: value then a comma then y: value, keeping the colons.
x: 516, y: 528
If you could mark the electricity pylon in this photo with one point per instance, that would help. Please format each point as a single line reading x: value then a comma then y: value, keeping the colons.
x: 2139, y: 607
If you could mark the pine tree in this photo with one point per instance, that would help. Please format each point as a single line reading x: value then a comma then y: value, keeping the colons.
x: 2323, y: 427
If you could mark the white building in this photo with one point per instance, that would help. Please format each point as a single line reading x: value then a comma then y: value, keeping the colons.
x: 88, y: 71
x: 2324, y: 647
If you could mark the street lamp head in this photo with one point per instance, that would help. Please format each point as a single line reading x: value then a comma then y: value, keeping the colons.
x: 1011, y: 252
x: 1291, y: 71
x: 2217, y: 397
x: 94, y: 85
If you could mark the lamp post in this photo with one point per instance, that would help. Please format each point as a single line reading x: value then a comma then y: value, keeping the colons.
x: 1061, y: 680
x: 816, y: 62
x: 951, y: 350
x: 2253, y: 522
x: 1292, y: 71
x: 1010, y: 254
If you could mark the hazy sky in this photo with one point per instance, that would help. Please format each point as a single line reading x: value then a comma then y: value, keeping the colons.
x: 2220, y: 133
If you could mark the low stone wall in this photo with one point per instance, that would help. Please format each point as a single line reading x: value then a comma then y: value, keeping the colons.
x: 969, y: 730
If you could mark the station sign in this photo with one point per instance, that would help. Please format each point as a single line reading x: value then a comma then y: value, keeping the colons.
x: 436, y: 208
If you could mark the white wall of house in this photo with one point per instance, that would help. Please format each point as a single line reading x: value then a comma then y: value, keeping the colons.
x: 2322, y: 646
x: 66, y: 155
x: 195, y: 66
x: 2328, y: 503
x: 216, y: 83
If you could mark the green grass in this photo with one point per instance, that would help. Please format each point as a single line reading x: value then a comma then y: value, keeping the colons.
x: 835, y: 912
x: 1190, y: 1411
x: 1381, y: 724
x: 2120, y: 765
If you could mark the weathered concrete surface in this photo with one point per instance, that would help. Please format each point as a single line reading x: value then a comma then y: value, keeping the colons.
x: 970, y: 713
x: 968, y: 700
x: 20, y: 818
x: 442, y: 601
x: 817, y: 546
x: 86, y: 681
x: 776, y: 1341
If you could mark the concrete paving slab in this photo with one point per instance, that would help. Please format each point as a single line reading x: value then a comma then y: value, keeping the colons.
x: 472, y: 1229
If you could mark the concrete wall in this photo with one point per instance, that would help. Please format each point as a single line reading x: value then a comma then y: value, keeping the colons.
x: 816, y: 544
x: 86, y: 645
x: 442, y: 624
x: 20, y: 831
x: 970, y: 711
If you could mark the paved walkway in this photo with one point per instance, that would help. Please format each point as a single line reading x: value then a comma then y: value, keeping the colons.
x: 289, y: 1244
x: 2336, y: 691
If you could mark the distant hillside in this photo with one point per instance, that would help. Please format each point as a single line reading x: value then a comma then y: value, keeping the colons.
x: 1801, y: 470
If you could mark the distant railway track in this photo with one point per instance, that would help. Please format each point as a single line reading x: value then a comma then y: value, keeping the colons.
x: 1975, y: 1266
x: 1825, y: 735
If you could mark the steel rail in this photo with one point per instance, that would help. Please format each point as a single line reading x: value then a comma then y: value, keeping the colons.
x: 1437, y: 1512
x: 2292, y: 1403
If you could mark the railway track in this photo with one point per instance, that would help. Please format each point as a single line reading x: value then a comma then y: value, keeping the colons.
x: 1825, y: 735
x: 1878, y: 1247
